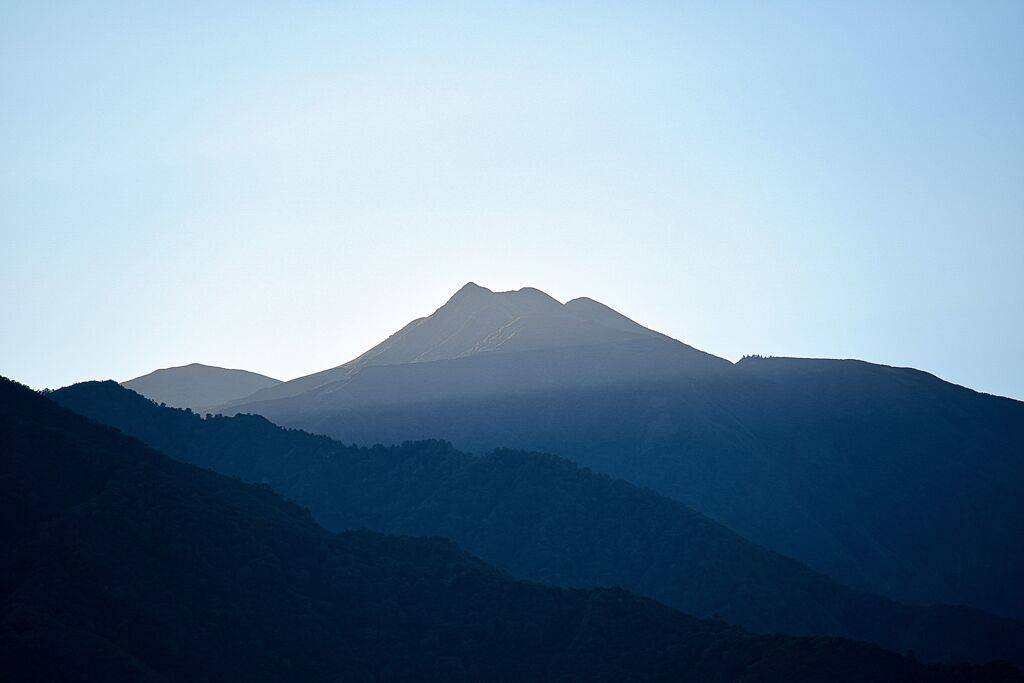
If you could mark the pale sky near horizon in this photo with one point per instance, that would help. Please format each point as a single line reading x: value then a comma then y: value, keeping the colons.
x: 279, y: 186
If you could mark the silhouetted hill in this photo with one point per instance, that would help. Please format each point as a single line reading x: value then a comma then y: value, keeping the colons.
x: 478, y: 321
x: 122, y: 564
x: 198, y: 386
x: 887, y: 479
x: 544, y: 519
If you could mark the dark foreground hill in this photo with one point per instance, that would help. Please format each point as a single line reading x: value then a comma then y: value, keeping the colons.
x: 120, y: 563
x: 544, y: 519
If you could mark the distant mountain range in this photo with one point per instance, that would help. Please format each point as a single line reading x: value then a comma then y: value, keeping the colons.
x: 887, y: 479
x: 544, y: 519
x: 121, y: 564
x: 198, y: 386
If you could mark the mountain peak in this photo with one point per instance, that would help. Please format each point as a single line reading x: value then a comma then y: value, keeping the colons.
x: 471, y: 289
x: 586, y: 308
x: 477, y: 320
x: 472, y: 298
x: 198, y: 386
x: 534, y: 294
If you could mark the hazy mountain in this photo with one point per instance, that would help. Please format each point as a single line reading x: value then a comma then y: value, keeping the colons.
x: 478, y: 321
x: 198, y: 386
x: 887, y: 479
x: 122, y: 564
x: 542, y: 518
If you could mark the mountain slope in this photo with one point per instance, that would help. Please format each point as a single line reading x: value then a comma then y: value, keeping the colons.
x: 121, y: 563
x: 543, y: 519
x: 198, y: 386
x: 478, y: 321
x: 887, y: 479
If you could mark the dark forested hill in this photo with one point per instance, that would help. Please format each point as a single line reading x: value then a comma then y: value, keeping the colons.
x: 121, y: 564
x: 543, y: 518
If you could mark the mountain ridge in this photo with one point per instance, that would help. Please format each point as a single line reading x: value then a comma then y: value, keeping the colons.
x: 129, y: 565
x: 837, y: 463
x: 543, y: 518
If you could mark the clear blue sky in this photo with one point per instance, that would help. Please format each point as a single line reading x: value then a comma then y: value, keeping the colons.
x: 278, y: 186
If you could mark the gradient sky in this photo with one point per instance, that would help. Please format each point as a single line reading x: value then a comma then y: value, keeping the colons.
x: 279, y: 186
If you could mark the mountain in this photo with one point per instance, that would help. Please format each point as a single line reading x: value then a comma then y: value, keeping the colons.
x: 121, y: 564
x: 198, y: 386
x: 544, y: 519
x: 478, y: 321
x: 887, y: 479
